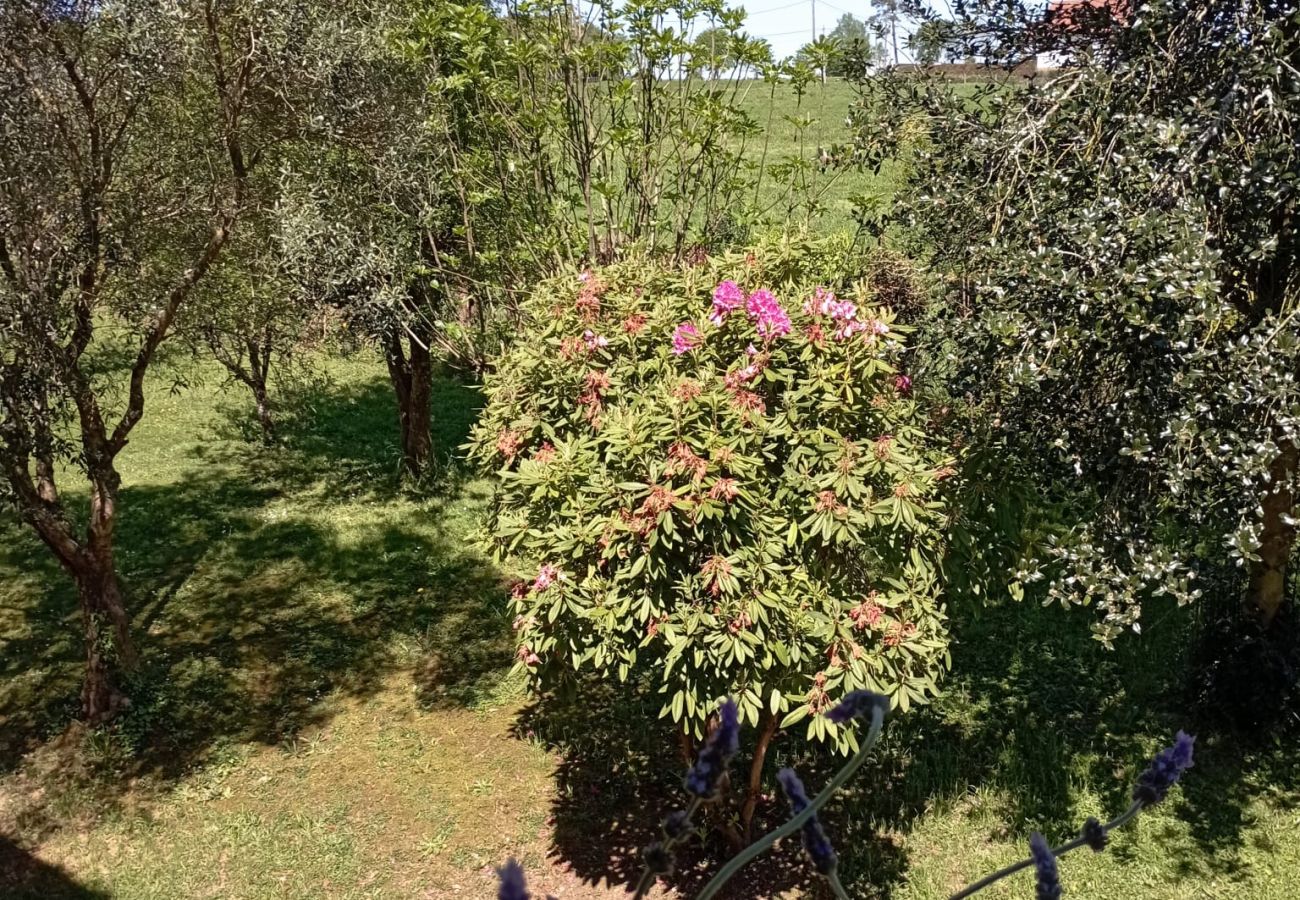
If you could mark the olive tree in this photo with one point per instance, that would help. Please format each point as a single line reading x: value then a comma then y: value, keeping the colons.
x: 128, y: 134
x: 1121, y: 257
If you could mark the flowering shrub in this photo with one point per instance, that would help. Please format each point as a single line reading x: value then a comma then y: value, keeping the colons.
x: 718, y: 475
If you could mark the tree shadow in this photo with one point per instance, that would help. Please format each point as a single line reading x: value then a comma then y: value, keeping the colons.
x: 619, y: 775
x: 350, y: 429
x: 1034, y: 712
x: 24, y: 876
x: 260, y: 607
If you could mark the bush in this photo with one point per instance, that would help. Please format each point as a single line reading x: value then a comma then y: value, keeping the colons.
x: 724, y: 482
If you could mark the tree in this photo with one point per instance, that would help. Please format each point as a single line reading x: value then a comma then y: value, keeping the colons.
x: 849, y: 28
x: 249, y: 316
x: 713, y: 51
x: 1123, y: 248
x: 106, y: 221
x: 931, y: 39
x: 856, y: 50
x: 417, y: 209
x: 885, y: 20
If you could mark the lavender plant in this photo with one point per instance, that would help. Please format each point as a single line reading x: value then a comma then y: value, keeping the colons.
x: 704, y: 777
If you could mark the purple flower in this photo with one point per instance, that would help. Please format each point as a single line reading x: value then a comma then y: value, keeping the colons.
x: 815, y: 841
x: 855, y: 704
x: 703, y: 778
x: 1094, y: 835
x: 512, y: 882
x: 1049, y: 878
x: 1164, y: 770
x: 676, y: 825
x: 903, y: 383
x: 685, y: 337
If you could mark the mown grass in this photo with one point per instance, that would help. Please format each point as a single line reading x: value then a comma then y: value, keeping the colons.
x: 326, y: 709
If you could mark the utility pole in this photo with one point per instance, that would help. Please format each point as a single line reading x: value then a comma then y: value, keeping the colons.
x: 814, y: 20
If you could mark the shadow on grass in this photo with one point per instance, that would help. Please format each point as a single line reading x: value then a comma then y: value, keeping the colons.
x: 350, y: 430
x: 1035, y: 713
x: 261, y: 600
x: 26, y: 876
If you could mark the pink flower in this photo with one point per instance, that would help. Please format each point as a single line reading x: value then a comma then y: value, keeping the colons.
x: 769, y: 318
x: 547, y: 575
x: 820, y: 302
x: 593, y: 340
x: 751, y: 350
x: 849, y: 328
x: 903, y: 384
x: 843, y: 311
x: 685, y: 337
x: 875, y: 327
x: 585, y: 276
x: 727, y: 296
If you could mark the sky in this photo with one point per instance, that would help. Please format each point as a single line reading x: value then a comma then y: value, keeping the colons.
x: 787, y: 26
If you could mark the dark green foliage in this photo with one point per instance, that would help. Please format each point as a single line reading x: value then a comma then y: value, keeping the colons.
x: 1120, y: 259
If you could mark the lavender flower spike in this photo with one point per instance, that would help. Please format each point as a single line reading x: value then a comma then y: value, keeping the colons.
x: 815, y: 841
x: 1049, y: 878
x: 856, y: 704
x: 1164, y: 770
x: 704, y: 777
x: 512, y: 882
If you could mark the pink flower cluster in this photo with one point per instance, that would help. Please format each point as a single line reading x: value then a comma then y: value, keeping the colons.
x: 547, y: 575
x: 685, y: 337
x: 843, y: 314
x: 769, y: 318
x: 593, y: 340
x: 727, y: 296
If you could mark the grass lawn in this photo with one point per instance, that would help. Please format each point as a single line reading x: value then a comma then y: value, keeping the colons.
x: 326, y: 710
x: 797, y: 127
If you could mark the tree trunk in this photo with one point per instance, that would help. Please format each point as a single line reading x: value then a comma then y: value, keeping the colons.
x: 1266, y: 590
x: 412, y: 377
x: 754, y: 789
x: 106, y: 627
x: 107, y: 638
x: 263, y: 400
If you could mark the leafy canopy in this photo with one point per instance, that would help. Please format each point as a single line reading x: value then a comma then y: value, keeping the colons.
x: 748, y: 504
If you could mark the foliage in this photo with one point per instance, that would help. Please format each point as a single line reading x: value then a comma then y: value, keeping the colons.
x: 723, y: 511
x: 857, y: 49
x: 107, y: 225
x: 641, y: 137
x: 1120, y: 250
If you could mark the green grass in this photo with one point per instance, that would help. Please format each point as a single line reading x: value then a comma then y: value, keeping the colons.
x: 797, y: 127
x: 326, y: 709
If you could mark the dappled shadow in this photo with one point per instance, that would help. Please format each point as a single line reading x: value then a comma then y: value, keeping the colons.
x: 351, y: 430
x: 24, y: 876
x: 261, y: 603
x: 1035, y: 714
x: 620, y: 773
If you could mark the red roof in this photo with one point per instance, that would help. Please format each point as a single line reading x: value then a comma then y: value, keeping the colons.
x: 1080, y: 15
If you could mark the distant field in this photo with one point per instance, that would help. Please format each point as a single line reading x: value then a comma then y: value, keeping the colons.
x: 825, y: 106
